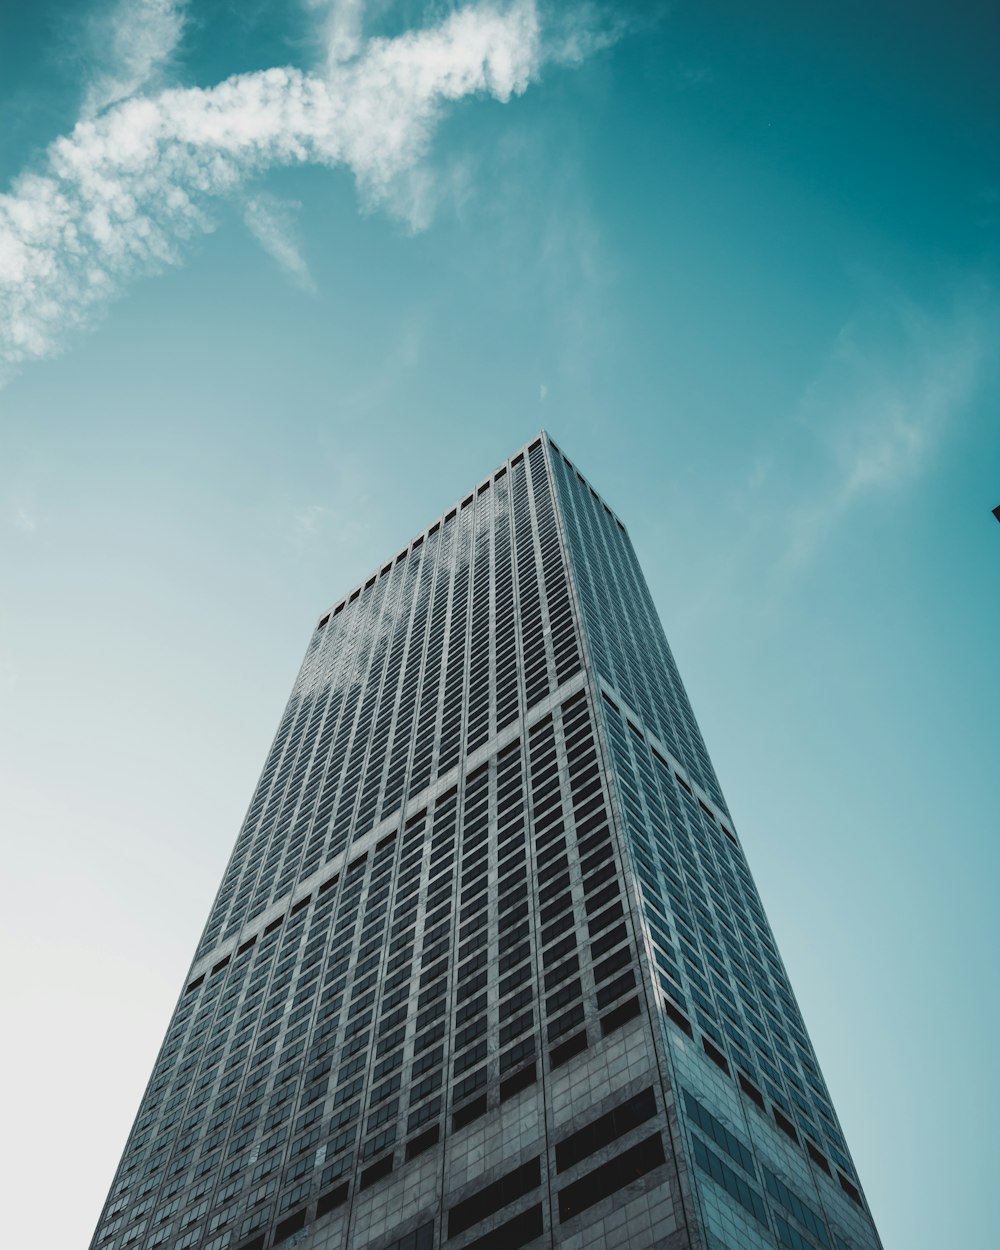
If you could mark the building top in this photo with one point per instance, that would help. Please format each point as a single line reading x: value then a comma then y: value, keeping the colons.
x: 450, y: 513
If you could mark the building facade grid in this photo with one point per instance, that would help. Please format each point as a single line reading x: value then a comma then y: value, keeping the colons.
x: 487, y: 967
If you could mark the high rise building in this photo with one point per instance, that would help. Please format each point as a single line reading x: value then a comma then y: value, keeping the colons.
x: 487, y: 968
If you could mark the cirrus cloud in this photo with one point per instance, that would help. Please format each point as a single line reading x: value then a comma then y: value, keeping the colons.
x: 134, y: 41
x: 127, y: 189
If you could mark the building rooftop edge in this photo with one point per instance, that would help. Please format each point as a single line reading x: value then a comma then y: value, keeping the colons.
x: 359, y: 587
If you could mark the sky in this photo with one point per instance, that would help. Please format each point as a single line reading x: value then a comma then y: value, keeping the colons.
x: 280, y: 279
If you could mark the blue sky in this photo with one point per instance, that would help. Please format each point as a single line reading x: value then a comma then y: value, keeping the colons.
x: 741, y: 262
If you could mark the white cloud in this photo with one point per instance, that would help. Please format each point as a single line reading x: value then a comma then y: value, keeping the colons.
x: 890, y: 391
x: 309, y: 519
x: 271, y: 221
x: 124, y: 191
x: 133, y: 43
x: 341, y: 27
x: 343, y: 525
x: 24, y: 521
x: 579, y: 31
x: 897, y: 383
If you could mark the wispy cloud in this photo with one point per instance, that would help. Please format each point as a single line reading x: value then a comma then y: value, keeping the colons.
x: 271, y: 221
x: 127, y: 189
x: 883, y: 402
x: 341, y: 25
x: 344, y: 524
x: 133, y: 42
x: 21, y: 513
x: 576, y: 32
x: 897, y: 382
x: 23, y: 520
x: 308, y: 520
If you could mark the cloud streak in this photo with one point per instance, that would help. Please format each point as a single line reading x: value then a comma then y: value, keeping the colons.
x: 124, y: 193
x: 271, y: 222
x: 342, y: 24
x: 897, y: 383
x: 136, y: 40
x: 24, y: 521
x: 883, y: 404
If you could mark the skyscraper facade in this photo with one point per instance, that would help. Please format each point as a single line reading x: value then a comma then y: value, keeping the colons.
x: 487, y: 968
